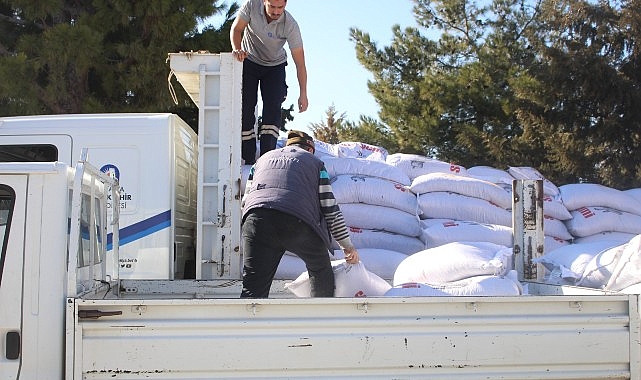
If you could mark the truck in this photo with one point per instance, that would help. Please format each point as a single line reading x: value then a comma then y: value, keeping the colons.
x: 64, y: 315
x: 154, y: 156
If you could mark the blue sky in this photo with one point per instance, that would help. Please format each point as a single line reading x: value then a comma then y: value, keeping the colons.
x: 335, y: 77
x: 334, y: 74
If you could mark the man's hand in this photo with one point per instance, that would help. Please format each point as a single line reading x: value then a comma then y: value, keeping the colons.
x: 240, y: 55
x: 351, y: 256
x: 302, y: 104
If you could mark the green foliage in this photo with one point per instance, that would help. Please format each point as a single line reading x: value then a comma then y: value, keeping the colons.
x: 327, y: 130
x: 590, y: 71
x: 286, y: 116
x: 100, y: 56
x: 553, y: 84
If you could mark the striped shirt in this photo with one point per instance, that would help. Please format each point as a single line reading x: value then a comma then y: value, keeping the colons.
x: 332, y: 212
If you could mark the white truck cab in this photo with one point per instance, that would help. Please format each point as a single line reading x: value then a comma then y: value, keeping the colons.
x: 44, y: 215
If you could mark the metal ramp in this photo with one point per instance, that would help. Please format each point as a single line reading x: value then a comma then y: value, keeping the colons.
x: 213, y: 81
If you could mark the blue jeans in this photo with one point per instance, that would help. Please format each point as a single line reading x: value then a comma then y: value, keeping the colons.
x: 267, y: 234
x: 273, y: 90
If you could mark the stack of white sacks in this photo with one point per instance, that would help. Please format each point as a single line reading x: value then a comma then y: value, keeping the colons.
x: 431, y: 228
x: 606, y: 230
x: 379, y: 209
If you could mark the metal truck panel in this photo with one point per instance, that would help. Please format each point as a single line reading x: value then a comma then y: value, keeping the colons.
x: 530, y: 337
x: 213, y: 83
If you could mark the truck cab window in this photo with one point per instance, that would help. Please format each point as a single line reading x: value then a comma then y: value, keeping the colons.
x: 7, y: 200
x: 28, y: 153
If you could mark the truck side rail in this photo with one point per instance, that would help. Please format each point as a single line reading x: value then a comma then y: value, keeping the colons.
x: 87, y: 181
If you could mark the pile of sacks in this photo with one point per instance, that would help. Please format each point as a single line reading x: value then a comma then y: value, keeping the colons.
x: 606, y: 228
x: 413, y: 213
x: 602, y: 264
x: 453, y: 269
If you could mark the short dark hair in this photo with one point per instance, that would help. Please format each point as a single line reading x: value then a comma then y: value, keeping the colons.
x: 300, y: 138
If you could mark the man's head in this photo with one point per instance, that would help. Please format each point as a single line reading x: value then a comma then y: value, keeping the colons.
x: 301, y: 139
x: 274, y: 8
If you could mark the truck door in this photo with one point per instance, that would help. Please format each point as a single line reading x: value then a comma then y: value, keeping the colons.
x: 13, y: 190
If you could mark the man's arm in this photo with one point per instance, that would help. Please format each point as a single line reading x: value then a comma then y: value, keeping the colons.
x: 298, y: 55
x: 334, y: 218
x: 236, y: 36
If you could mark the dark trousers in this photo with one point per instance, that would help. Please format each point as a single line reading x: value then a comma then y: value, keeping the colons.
x: 273, y: 90
x: 267, y: 234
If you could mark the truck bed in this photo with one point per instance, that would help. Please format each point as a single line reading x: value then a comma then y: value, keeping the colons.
x: 558, y: 333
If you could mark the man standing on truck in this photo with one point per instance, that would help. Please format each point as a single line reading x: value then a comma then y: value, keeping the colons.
x: 289, y: 206
x: 258, y: 36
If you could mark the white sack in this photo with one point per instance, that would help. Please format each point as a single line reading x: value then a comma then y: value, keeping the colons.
x: 524, y: 172
x: 559, y: 276
x: 618, y: 237
x: 365, y: 238
x: 634, y: 193
x: 632, y: 289
x: 414, y: 165
x: 490, y: 174
x: 450, y: 231
x: 352, y: 149
x: 351, y: 280
x: 627, y: 272
x: 469, y: 186
x: 472, y: 286
x: 553, y: 207
x: 551, y: 243
x: 453, y: 262
x: 384, y: 218
x: 382, y: 262
x: 290, y: 267
x: 354, y: 188
x: 572, y: 259
x: 415, y: 289
x: 578, y: 195
x: 323, y: 149
x: 598, y: 271
x: 556, y: 228
x: 461, y: 207
x: 588, y: 221
x: 339, y: 165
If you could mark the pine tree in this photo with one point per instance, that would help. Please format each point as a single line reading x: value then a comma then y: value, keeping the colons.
x: 336, y: 128
x: 588, y: 103
x: 553, y: 84
x: 451, y: 98
x: 327, y: 130
x: 98, y: 56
